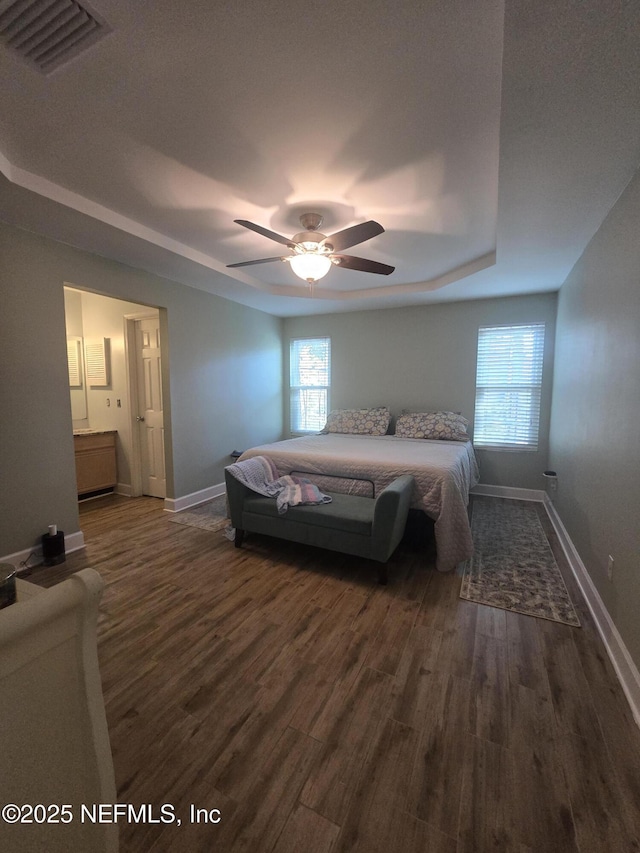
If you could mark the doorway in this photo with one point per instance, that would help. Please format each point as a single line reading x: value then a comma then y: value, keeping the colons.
x: 133, y: 402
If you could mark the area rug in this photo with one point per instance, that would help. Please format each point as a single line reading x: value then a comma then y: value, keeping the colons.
x: 210, y: 516
x: 513, y: 566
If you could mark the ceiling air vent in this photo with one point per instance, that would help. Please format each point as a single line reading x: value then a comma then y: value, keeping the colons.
x: 48, y: 33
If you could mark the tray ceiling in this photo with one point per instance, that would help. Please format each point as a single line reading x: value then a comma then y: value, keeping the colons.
x: 489, y: 140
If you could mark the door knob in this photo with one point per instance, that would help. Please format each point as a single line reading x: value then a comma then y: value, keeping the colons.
x: 139, y: 417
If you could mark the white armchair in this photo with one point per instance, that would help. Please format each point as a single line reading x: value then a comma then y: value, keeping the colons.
x: 54, y: 742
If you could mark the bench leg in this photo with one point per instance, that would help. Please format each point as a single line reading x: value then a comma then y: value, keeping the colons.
x: 382, y: 575
x: 239, y: 537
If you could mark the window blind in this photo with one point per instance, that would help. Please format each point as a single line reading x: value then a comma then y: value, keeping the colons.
x: 309, y: 383
x: 508, y: 386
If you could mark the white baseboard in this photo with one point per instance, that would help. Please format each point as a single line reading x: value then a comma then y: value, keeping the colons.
x: 510, y: 492
x: 124, y: 489
x: 623, y: 664
x: 72, y: 542
x: 194, y: 499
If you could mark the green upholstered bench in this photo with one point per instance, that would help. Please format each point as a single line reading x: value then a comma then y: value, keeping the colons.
x: 351, y: 524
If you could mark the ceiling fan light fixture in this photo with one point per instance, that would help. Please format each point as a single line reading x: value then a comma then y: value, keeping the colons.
x: 314, y: 253
x: 310, y: 266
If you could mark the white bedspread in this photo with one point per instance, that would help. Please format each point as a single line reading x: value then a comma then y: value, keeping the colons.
x: 444, y: 472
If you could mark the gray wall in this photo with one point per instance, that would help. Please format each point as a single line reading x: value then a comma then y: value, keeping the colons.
x: 224, y: 364
x: 424, y: 358
x: 595, y: 423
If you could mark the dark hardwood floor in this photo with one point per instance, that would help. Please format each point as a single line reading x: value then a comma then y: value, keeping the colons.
x: 318, y: 711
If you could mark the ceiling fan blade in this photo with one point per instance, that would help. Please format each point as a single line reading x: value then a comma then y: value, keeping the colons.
x: 349, y: 262
x: 265, y: 232
x: 259, y: 261
x: 354, y: 235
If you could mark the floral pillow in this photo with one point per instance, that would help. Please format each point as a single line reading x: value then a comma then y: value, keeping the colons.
x: 359, y: 421
x: 448, y: 426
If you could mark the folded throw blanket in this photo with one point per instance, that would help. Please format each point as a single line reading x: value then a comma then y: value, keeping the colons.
x: 261, y: 475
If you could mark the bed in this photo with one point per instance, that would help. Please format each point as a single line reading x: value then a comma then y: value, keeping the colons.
x: 444, y: 471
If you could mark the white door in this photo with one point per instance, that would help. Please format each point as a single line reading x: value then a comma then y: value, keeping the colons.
x: 150, y: 415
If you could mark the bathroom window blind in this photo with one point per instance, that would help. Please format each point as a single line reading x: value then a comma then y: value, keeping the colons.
x: 309, y: 383
x: 508, y: 387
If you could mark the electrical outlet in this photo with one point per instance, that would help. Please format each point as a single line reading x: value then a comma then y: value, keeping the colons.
x: 610, y: 568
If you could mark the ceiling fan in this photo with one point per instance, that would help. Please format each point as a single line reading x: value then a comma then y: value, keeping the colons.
x: 313, y: 253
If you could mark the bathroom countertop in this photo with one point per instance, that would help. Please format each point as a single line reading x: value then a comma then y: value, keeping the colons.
x: 93, y: 431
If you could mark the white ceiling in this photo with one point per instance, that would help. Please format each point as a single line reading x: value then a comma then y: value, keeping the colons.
x: 489, y: 139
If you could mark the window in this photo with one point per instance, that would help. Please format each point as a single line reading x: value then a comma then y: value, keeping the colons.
x: 508, y: 383
x: 309, y: 381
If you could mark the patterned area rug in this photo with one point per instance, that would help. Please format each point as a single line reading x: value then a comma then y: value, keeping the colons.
x: 210, y: 516
x: 513, y: 566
